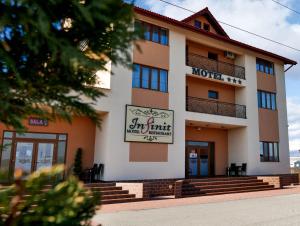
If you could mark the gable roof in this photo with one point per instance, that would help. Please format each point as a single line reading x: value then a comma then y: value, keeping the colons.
x: 211, y: 19
x: 209, y: 34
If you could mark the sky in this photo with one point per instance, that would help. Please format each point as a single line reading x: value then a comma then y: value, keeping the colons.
x: 263, y: 17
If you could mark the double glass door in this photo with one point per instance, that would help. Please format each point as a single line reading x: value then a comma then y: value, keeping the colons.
x: 32, y: 155
x: 199, y: 160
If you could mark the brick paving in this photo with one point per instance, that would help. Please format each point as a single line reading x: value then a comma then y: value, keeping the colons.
x: 170, y: 201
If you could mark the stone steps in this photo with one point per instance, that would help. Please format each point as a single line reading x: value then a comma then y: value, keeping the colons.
x: 216, y: 186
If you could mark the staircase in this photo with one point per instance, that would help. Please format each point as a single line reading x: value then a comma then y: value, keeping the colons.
x: 110, y: 193
x: 223, y: 185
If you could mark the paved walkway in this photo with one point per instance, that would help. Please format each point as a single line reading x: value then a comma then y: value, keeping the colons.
x: 276, y: 207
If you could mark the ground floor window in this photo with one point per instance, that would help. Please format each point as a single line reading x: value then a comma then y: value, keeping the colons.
x: 31, y: 151
x: 269, y: 151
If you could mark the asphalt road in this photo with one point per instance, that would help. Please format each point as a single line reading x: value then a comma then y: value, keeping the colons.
x: 281, y: 210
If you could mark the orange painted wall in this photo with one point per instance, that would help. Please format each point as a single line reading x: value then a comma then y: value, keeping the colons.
x: 268, y: 119
x: 150, y: 98
x: 146, y: 152
x: 220, y: 137
x: 266, y: 82
x: 203, y: 20
x: 268, y: 125
x: 81, y: 133
x: 203, y: 50
x: 151, y: 54
x: 198, y: 87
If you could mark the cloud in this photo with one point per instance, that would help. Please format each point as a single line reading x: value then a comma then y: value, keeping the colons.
x: 294, y: 122
x: 259, y: 16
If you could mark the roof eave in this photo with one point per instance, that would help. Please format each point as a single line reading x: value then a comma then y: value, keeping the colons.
x: 212, y: 35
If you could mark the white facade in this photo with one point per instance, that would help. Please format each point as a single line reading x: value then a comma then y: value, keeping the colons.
x: 243, y: 134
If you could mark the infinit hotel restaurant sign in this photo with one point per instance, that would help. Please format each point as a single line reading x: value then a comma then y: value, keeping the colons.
x: 149, y: 125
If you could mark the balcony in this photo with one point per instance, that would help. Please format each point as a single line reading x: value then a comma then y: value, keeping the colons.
x: 194, y: 60
x: 213, y: 107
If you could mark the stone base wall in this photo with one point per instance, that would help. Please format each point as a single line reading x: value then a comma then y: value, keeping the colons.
x: 149, y: 188
x: 279, y: 181
x: 173, y: 187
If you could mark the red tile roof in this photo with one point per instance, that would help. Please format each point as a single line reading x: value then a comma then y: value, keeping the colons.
x: 211, y: 19
x: 219, y: 37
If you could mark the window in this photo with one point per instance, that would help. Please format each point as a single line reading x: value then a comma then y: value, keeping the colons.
x: 266, y: 100
x: 154, y: 33
x: 147, y: 32
x: 206, y: 27
x: 163, y: 36
x: 213, y: 94
x: 265, y: 66
x: 136, y: 76
x: 212, y: 56
x: 154, y: 79
x: 145, y: 77
x: 197, y: 24
x: 149, y: 78
x: 269, y: 151
x: 163, y: 81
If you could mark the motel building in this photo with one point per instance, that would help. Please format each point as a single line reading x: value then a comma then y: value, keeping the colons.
x: 195, y: 102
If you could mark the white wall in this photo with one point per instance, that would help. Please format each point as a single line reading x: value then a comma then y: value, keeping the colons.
x: 243, y: 142
x: 115, y: 151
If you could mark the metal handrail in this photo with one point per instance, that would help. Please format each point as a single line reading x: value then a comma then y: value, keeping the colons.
x: 195, y: 60
x: 201, y: 105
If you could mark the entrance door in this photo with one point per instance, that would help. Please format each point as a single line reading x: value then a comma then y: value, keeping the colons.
x: 31, y: 151
x: 24, y: 156
x: 45, y: 155
x: 193, y: 164
x: 204, y: 164
x: 31, y: 156
x: 199, y: 159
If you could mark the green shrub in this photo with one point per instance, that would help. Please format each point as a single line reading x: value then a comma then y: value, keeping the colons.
x: 64, y: 203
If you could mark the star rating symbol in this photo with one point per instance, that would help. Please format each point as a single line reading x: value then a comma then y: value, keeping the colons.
x: 234, y: 80
x: 229, y: 79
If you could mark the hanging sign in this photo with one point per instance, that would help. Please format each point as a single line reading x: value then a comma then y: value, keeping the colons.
x: 37, y: 122
x: 149, y: 125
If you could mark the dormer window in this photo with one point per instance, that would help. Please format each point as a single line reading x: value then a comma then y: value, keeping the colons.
x: 197, y: 24
x: 206, y: 27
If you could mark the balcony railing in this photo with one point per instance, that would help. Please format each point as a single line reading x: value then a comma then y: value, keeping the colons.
x: 202, y: 62
x: 201, y: 105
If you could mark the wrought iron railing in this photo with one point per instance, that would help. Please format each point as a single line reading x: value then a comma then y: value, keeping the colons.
x: 202, y: 62
x: 201, y: 105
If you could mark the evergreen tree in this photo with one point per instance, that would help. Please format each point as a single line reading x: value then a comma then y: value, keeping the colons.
x: 50, y: 51
x: 77, y: 170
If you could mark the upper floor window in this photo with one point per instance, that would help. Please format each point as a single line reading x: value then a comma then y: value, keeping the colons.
x: 154, y: 33
x: 197, y: 24
x: 266, y: 100
x: 149, y: 78
x: 213, y: 94
x: 265, y: 66
x: 269, y: 151
x: 206, y: 27
x: 212, y: 56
